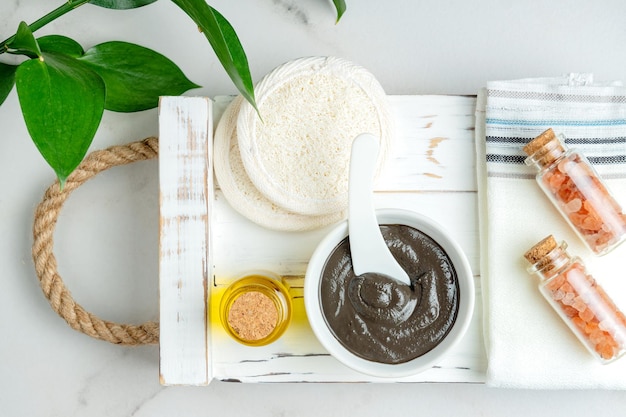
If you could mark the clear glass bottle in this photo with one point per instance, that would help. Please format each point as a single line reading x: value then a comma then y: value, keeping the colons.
x: 582, y: 304
x: 577, y: 191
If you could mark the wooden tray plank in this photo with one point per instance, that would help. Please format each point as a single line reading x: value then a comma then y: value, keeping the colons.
x: 240, y: 245
x: 434, y: 145
x: 185, y: 130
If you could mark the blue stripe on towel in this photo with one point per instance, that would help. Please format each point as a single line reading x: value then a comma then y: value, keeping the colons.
x: 610, y: 122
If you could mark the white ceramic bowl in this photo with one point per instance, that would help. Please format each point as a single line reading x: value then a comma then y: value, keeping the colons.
x: 423, y: 362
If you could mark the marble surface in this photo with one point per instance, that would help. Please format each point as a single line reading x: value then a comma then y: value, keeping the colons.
x: 106, y: 239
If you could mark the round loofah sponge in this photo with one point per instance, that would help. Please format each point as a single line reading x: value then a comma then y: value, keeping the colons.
x: 297, y: 152
x: 241, y: 193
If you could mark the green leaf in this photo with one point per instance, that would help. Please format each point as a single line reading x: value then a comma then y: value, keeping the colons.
x: 135, y: 76
x: 340, y: 5
x: 60, y: 44
x: 62, y: 101
x: 121, y: 4
x: 7, y: 80
x: 24, y: 42
x: 224, y: 42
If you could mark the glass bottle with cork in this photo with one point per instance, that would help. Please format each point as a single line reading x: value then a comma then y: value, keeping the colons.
x: 582, y: 304
x: 255, y: 310
x: 577, y: 191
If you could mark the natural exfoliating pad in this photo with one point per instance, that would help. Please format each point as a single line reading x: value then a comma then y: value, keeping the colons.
x: 241, y: 193
x: 296, y: 151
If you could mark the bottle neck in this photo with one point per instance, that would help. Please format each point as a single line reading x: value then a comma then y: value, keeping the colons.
x: 553, y: 263
x: 550, y: 153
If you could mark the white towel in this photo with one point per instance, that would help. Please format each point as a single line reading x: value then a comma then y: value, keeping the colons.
x: 528, y: 346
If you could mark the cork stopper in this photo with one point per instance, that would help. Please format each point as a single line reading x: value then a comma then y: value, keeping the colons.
x: 541, y: 249
x: 539, y: 142
x: 253, y: 316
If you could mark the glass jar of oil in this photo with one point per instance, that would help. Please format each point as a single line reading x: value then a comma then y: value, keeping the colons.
x: 256, y: 309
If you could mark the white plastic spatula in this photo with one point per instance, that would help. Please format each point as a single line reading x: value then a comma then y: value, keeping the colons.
x: 367, y: 247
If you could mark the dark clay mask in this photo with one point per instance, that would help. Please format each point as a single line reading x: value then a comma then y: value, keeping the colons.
x: 382, y: 320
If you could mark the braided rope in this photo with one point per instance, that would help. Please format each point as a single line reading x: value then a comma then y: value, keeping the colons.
x: 52, y: 285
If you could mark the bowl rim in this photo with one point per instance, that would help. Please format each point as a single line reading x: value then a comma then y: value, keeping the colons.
x: 336, y: 349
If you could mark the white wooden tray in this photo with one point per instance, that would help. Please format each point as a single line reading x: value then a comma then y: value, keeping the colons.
x: 204, y: 244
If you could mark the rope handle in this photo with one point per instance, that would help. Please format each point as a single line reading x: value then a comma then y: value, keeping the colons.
x: 46, y: 216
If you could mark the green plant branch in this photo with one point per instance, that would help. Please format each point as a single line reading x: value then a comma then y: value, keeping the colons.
x: 63, y: 96
x: 67, y: 7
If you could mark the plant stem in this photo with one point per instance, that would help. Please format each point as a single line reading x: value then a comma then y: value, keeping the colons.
x: 41, y: 22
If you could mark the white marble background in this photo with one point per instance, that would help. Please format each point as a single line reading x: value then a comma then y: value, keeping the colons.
x: 106, y: 240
